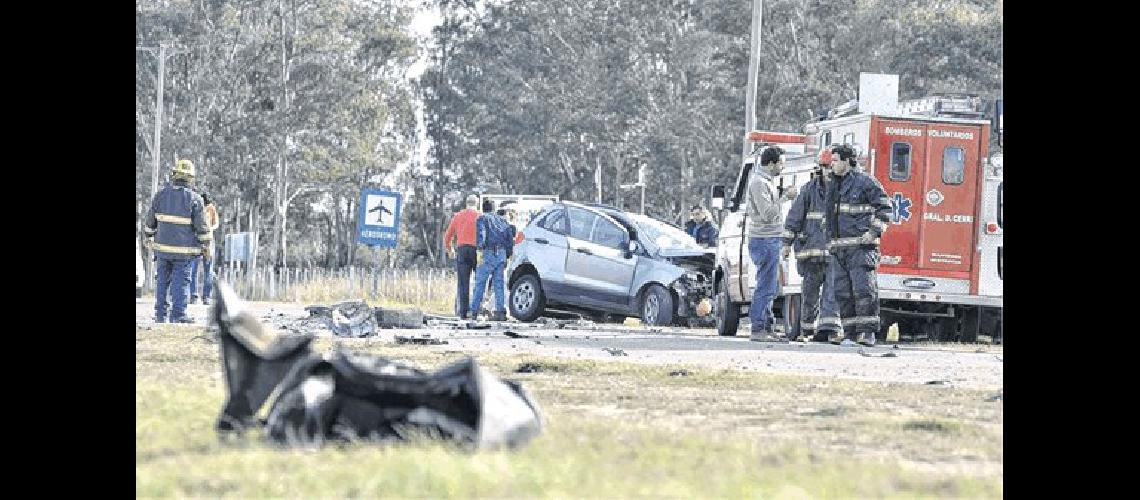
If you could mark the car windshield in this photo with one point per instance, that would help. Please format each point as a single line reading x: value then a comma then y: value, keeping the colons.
x: 663, y: 235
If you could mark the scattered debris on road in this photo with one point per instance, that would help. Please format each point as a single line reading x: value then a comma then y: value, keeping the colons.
x: 399, y: 318
x: 353, y: 319
x: 419, y: 340
x: 615, y: 351
x: 888, y: 354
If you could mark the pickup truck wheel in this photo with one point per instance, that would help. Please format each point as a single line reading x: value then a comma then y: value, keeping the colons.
x: 727, y: 313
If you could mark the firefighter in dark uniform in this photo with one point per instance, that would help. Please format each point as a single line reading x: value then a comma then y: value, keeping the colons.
x: 857, y: 214
x: 805, y: 231
x: 176, y: 232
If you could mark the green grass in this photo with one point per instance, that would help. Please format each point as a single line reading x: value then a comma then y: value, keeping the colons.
x: 613, y: 430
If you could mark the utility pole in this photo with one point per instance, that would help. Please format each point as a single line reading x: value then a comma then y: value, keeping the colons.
x: 641, y: 180
x: 598, y: 177
x: 160, y: 81
x: 156, y: 149
x: 156, y: 152
x: 641, y: 164
x: 753, y: 70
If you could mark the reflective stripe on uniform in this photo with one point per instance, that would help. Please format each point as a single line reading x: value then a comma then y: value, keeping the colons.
x: 173, y: 219
x: 848, y: 242
x: 815, y: 252
x: 860, y: 320
x: 149, y: 232
x: 814, y: 215
x: 855, y: 208
x: 159, y: 247
x: 789, y: 234
x: 205, y: 237
x: 828, y: 321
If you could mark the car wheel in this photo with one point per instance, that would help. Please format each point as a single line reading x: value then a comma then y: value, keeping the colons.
x: 527, y: 301
x: 727, y: 313
x: 657, y: 306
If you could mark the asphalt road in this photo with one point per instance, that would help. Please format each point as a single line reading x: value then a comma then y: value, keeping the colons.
x: 944, y: 365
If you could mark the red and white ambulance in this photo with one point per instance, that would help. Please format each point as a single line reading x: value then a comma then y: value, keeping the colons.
x: 940, y: 276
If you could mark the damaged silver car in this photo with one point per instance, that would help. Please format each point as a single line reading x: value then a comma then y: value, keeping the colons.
x: 606, y: 262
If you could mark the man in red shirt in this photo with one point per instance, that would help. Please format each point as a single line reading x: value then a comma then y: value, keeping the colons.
x: 462, y: 229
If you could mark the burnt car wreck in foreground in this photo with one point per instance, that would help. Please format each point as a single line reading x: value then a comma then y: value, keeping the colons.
x: 349, y: 396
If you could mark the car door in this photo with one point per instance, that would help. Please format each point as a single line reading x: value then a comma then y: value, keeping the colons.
x: 596, y: 266
x: 546, y: 250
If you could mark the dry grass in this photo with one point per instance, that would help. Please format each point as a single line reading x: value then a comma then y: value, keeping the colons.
x: 614, y: 430
x: 435, y: 295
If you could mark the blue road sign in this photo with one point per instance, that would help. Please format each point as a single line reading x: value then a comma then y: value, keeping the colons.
x: 379, y: 221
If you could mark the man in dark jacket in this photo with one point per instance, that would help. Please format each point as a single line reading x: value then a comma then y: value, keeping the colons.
x: 177, y: 233
x: 805, y: 232
x: 857, y: 214
x: 701, y: 228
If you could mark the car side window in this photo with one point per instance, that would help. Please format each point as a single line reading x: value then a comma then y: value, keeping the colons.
x: 540, y: 219
x: 607, y: 234
x: 555, y: 221
x: 581, y: 222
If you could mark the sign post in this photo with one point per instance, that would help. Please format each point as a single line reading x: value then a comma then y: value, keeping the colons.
x: 379, y: 221
x: 378, y: 225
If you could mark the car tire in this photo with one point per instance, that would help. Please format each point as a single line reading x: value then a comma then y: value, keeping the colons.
x: 657, y: 306
x: 527, y: 301
x: 727, y: 313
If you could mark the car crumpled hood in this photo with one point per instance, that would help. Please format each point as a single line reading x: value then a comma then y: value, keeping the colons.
x: 698, y: 260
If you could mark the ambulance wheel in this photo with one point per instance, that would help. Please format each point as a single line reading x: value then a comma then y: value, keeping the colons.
x: 727, y: 313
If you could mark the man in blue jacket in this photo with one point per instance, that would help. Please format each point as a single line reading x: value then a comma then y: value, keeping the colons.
x: 701, y: 228
x: 494, y: 239
x: 176, y: 232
